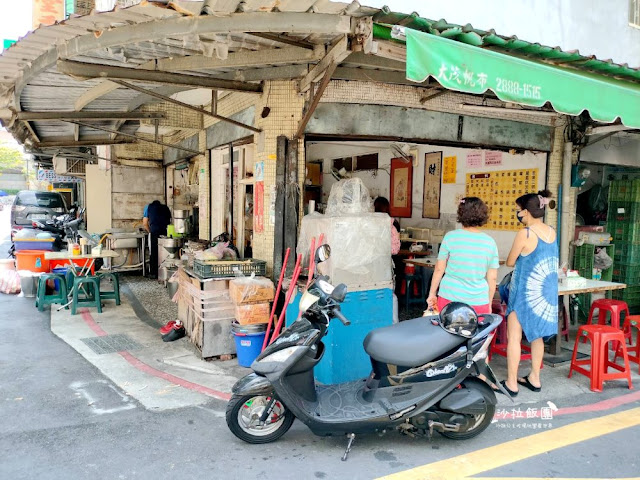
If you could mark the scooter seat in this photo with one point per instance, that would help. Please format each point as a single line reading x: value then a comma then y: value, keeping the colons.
x: 410, y: 343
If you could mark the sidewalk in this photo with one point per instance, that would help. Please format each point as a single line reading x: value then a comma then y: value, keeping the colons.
x: 124, y: 343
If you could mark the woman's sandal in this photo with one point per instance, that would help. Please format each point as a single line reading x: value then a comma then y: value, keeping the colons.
x: 508, y: 390
x: 524, y: 381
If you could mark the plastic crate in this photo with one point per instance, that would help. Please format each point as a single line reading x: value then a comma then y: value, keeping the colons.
x: 626, y: 273
x: 624, y: 191
x: 34, y: 244
x: 344, y: 359
x: 222, y: 269
x: 583, y: 261
x: 627, y: 254
x: 631, y: 295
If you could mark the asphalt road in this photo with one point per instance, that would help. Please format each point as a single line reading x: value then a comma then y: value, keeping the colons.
x: 62, y: 419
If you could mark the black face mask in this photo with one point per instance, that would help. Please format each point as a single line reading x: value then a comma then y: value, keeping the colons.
x: 520, y: 219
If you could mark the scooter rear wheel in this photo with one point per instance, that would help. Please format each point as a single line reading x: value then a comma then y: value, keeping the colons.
x: 244, y: 411
x: 479, y: 423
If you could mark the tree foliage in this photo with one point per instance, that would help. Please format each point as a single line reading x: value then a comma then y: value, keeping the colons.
x: 11, y: 159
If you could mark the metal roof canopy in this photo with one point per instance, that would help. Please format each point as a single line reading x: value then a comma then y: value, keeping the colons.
x: 231, y: 41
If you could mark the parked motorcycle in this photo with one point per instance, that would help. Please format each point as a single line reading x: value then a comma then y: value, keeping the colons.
x: 424, y: 378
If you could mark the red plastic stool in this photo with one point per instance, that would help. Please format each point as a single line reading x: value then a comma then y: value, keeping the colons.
x: 499, y: 343
x: 615, y: 309
x: 600, y: 336
x: 633, y: 351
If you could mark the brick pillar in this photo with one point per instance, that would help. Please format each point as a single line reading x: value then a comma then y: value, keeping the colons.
x: 286, y: 111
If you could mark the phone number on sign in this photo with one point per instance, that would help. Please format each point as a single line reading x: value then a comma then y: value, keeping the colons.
x: 515, y: 88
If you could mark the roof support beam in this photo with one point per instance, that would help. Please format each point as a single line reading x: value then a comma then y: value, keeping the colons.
x: 91, y: 70
x: 129, y: 135
x: 186, y: 105
x: 84, y: 115
x: 284, y: 40
x: 334, y: 56
x: 80, y: 143
x: 258, y: 22
x: 390, y: 50
x: 242, y: 59
x: 315, y: 98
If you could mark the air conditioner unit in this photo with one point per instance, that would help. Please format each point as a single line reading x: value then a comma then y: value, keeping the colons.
x: 60, y: 165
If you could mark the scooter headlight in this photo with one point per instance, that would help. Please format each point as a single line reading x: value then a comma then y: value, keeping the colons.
x: 484, y: 349
x: 280, y: 356
x: 307, y: 301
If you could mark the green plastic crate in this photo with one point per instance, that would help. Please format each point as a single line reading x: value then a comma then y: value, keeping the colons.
x: 627, y: 254
x: 583, y: 261
x: 630, y: 295
x: 626, y: 273
x: 624, y: 191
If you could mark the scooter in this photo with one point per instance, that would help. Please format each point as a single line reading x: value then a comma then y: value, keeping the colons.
x: 424, y: 378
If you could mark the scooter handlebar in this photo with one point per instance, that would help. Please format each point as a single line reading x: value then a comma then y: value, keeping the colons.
x: 338, y: 314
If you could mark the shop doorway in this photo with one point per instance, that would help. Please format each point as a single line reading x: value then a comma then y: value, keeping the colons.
x: 232, y: 208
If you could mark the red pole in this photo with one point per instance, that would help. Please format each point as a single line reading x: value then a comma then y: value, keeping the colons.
x: 312, y: 260
x: 275, y: 299
x: 294, y: 279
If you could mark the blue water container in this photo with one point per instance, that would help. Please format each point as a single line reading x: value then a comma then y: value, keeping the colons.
x: 249, y: 340
x: 345, y: 359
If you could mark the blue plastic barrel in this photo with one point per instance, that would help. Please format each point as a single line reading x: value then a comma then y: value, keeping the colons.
x: 249, y: 339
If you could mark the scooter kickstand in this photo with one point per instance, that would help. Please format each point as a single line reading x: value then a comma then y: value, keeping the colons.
x: 351, y: 437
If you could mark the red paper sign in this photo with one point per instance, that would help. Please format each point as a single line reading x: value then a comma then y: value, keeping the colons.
x: 258, y: 208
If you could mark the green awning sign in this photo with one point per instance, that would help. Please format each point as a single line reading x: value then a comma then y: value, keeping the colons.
x: 466, y: 68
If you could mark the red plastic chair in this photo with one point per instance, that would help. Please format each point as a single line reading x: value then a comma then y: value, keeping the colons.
x: 630, y: 323
x: 600, y: 336
x: 615, y: 309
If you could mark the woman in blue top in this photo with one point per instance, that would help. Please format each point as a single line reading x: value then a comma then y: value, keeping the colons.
x: 533, y: 292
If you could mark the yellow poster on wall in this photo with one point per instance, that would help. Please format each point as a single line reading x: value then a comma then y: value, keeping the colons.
x: 449, y: 170
x: 499, y: 190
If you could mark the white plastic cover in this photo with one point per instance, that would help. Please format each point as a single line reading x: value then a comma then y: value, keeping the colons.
x: 349, y: 197
x: 360, y: 247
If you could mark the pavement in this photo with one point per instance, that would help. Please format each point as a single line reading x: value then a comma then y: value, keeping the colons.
x: 152, y: 410
x: 171, y: 375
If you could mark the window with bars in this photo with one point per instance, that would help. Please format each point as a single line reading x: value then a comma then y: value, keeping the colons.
x: 634, y: 13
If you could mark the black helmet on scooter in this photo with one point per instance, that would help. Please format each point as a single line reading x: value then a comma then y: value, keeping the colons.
x: 460, y: 319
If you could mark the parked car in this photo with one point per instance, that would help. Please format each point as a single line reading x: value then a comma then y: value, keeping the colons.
x: 30, y: 205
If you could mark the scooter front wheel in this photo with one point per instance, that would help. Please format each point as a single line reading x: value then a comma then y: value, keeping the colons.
x: 243, y: 418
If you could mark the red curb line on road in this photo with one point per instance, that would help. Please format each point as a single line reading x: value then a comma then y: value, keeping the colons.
x: 140, y: 365
x: 143, y: 367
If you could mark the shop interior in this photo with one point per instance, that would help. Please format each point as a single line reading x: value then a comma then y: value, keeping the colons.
x: 428, y: 209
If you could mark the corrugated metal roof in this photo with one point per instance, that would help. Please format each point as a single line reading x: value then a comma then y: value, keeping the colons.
x: 511, y: 45
x: 29, y: 66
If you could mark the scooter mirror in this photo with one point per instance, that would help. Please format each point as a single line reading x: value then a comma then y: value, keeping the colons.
x: 323, y: 253
x: 339, y: 293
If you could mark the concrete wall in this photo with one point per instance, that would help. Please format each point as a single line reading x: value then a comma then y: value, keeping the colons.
x: 12, y: 181
x: 132, y: 189
x: 621, y: 149
x: 98, y: 195
x: 594, y: 27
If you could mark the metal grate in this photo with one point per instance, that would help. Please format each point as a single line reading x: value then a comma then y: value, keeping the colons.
x: 111, y: 344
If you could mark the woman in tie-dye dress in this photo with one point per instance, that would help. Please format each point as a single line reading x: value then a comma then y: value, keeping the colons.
x: 533, y: 292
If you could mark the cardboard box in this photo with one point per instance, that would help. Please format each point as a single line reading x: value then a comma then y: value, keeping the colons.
x: 253, y: 313
x: 251, y: 290
x: 215, y: 285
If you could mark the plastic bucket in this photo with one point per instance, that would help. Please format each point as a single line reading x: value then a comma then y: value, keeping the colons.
x: 32, y: 260
x: 28, y: 284
x: 63, y: 272
x: 249, y: 339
